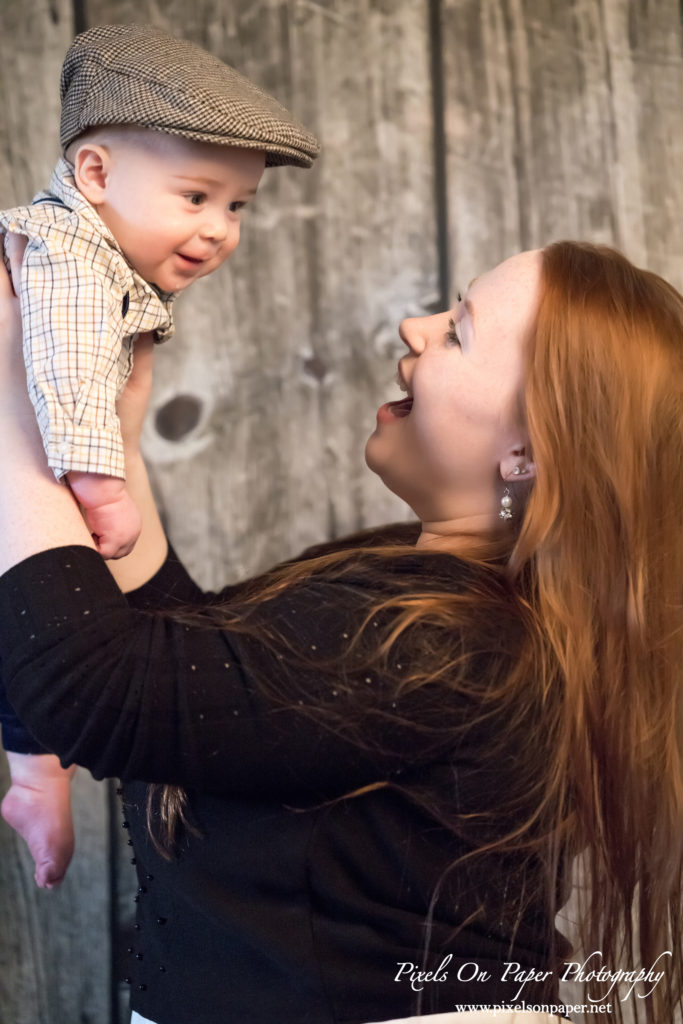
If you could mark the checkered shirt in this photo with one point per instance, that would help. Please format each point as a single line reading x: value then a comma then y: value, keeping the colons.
x: 82, y: 307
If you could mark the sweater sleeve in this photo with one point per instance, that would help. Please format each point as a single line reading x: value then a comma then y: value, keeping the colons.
x: 15, y: 736
x: 171, y: 585
x: 143, y: 696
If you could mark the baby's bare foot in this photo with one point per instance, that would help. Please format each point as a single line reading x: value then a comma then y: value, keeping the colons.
x: 42, y: 817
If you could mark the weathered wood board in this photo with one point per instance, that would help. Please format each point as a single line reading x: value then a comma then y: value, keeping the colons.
x: 562, y: 118
x: 54, y: 946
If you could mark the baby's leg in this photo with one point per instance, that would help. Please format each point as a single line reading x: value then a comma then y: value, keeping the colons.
x: 38, y: 807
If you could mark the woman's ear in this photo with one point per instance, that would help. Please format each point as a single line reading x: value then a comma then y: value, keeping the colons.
x: 91, y: 171
x: 518, y: 465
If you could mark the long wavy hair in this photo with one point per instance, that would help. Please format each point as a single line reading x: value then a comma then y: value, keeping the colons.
x: 601, y: 556
x: 590, y: 578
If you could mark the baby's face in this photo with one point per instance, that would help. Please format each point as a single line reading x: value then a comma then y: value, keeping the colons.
x: 173, y: 205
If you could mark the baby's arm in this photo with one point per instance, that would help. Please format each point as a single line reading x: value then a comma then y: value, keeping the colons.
x: 75, y: 351
x: 38, y: 807
x: 110, y: 512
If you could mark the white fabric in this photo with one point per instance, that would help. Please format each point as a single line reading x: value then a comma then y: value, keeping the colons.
x: 467, y: 1017
x: 480, y: 1017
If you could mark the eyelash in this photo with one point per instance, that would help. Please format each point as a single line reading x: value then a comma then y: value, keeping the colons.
x: 451, y: 335
x: 234, y: 207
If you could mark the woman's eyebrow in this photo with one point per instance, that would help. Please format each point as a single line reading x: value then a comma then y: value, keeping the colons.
x: 468, y: 305
x: 469, y: 308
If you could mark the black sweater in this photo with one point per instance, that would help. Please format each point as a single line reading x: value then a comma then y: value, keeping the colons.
x: 294, y: 901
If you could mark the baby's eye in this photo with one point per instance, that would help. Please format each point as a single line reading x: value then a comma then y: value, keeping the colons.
x: 237, y: 206
x: 452, y: 333
x: 196, y: 198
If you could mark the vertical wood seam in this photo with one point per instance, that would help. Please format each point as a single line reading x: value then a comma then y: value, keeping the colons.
x: 79, y: 19
x: 439, y: 152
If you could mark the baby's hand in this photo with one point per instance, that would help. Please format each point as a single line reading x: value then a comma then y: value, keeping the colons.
x: 38, y: 807
x: 111, y: 514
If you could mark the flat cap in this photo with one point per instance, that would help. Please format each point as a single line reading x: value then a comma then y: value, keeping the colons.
x: 140, y: 75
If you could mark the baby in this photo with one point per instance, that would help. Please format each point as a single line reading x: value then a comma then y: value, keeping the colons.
x: 163, y: 145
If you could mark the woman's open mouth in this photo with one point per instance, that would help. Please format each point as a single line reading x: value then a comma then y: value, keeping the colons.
x: 401, y: 407
x: 394, y: 410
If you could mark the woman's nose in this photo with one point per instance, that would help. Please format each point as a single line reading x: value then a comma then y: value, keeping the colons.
x: 411, y: 333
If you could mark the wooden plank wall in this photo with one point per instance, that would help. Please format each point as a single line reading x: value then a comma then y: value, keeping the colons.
x: 564, y: 120
x: 455, y: 132
x: 54, y: 946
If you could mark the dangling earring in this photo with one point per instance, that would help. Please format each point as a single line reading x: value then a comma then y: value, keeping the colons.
x: 506, y: 505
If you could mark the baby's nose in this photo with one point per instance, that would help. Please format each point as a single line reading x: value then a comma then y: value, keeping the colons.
x: 216, y: 227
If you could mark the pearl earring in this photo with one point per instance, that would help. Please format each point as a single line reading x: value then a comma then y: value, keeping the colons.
x: 506, y: 505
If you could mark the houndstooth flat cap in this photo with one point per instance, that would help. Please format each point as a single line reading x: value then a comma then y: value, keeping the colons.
x: 140, y: 75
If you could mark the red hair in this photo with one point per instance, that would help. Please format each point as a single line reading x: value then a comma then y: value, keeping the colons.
x: 601, y: 552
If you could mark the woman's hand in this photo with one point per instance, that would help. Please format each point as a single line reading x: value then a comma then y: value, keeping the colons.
x: 14, y: 400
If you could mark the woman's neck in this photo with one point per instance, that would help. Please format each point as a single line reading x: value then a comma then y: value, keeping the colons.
x: 467, y: 536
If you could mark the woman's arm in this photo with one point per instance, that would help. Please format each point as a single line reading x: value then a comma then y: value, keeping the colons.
x: 147, y: 697
x: 151, y: 548
x: 36, y: 512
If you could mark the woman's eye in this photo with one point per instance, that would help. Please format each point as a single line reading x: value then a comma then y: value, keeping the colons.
x: 452, y: 334
x: 196, y: 198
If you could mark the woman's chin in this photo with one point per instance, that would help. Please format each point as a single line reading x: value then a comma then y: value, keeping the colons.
x: 377, y: 461
x: 373, y: 454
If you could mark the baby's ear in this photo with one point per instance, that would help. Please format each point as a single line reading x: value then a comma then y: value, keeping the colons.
x: 91, y: 167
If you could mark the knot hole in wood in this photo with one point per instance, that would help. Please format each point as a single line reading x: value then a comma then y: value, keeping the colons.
x: 178, y: 417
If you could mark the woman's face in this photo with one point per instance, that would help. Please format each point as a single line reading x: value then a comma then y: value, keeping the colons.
x: 448, y: 446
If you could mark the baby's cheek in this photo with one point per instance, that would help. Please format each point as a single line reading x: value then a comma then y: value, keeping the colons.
x: 230, y: 246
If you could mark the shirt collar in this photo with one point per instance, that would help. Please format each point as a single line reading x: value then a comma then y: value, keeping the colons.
x: 63, y: 187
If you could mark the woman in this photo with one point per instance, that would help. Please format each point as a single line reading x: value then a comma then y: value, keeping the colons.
x: 355, y: 786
